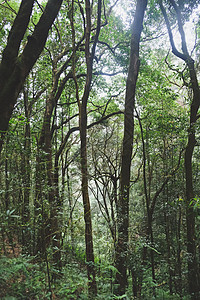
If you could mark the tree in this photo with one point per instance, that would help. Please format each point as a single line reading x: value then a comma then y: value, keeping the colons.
x: 15, y: 67
x: 193, y: 277
x: 123, y: 203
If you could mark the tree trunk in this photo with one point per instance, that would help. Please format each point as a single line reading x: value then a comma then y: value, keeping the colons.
x: 123, y: 203
x: 92, y: 287
x: 179, y: 260
x: 14, y: 68
x: 52, y: 180
x: 86, y: 204
x: 26, y: 177
x: 190, y: 222
x: 168, y: 243
x: 193, y: 280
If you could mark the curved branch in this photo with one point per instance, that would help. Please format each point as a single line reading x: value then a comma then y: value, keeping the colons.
x: 183, y: 56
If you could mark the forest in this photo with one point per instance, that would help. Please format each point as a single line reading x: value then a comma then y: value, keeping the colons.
x: 99, y: 149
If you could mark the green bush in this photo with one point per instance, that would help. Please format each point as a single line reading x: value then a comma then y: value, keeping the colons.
x: 21, y: 279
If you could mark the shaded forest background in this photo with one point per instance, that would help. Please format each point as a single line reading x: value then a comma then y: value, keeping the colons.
x: 99, y: 149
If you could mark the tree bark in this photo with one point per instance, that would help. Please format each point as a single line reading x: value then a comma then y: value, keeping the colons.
x: 123, y: 203
x: 15, y: 67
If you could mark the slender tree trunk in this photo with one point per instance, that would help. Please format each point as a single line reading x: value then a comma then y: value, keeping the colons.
x: 193, y: 277
x: 6, y: 183
x: 70, y: 209
x: 89, y: 56
x: 86, y: 203
x: 41, y: 217
x: 194, y: 287
x: 123, y: 203
x: 166, y: 218
x: 150, y: 205
x: 52, y: 181
x: 167, y: 234
x: 179, y: 261
x: 194, y: 284
x: 26, y: 177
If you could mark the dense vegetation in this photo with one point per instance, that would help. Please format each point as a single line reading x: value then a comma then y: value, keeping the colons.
x: 99, y: 149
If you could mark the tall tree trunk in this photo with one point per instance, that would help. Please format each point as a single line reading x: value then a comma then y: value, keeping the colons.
x: 14, y: 68
x: 86, y: 203
x: 92, y: 287
x: 168, y: 243
x: 179, y: 260
x: 41, y: 228
x: 193, y: 280
x: 70, y: 208
x: 149, y: 214
x: 123, y: 203
x: 52, y: 179
x: 26, y: 177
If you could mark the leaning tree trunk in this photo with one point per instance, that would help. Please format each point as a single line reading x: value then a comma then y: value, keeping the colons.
x: 15, y: 67
x: 123, y: 203
x: 193, y: 277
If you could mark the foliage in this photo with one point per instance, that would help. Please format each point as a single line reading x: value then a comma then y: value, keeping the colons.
x: 22, y: 279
